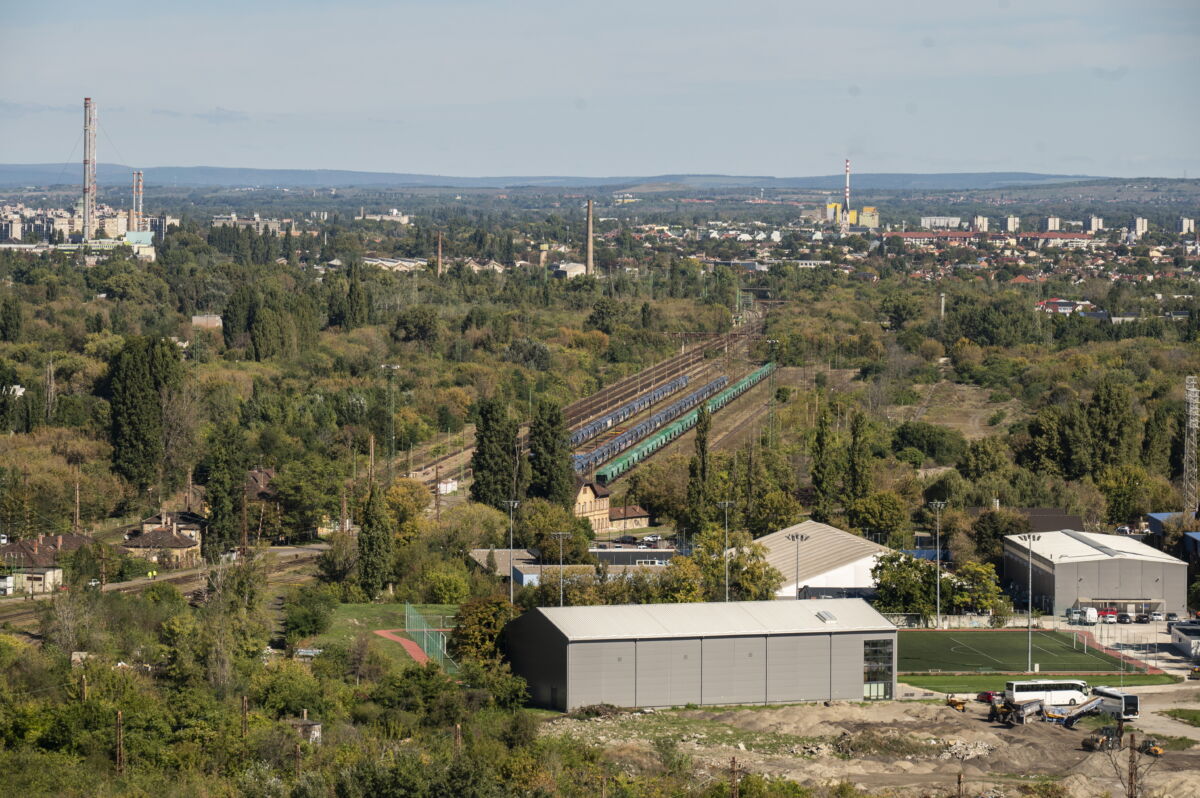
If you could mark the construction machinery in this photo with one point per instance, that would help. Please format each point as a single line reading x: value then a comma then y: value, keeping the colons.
x: 1150, y: 747
x: 1194, y: 673
x: 1105, y: 739
x: 1012, y: 713
x: 1069, y: 716
x: 955, y: 703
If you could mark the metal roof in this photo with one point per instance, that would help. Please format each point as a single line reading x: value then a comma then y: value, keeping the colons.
x: 714, y: 619
x: 1069, y: 546
x: 827, y: 548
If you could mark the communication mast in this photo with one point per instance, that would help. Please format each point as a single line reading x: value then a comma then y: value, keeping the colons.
x: 138, y: 216
x: 846, y: 203
x: 1191, y: 490
x: 89, y: 168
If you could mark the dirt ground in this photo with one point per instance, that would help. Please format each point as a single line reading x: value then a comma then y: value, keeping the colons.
x: 965, y: 408
x: 900, y: 748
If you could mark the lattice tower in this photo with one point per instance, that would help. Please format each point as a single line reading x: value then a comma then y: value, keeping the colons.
x: 1191, y: 488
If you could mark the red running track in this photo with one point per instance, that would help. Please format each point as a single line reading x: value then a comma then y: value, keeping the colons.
x: 414, y: 651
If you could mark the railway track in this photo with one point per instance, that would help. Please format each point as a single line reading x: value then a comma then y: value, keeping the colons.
x: 281, y: 573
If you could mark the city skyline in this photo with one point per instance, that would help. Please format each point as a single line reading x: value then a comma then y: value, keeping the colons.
x: 469, y: 88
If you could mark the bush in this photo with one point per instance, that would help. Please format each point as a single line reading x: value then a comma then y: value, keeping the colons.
x: 307, y: 612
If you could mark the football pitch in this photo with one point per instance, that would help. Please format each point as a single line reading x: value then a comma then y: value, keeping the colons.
x: 923, y: 651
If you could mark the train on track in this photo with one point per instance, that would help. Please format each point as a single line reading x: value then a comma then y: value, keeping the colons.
x: 672, y: 431
x: 627, y: 410
x: 611, y: 448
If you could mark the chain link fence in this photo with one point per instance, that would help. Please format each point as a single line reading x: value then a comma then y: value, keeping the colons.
x: 431, y: 641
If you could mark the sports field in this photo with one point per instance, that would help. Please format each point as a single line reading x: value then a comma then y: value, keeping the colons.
x: 923, y: 651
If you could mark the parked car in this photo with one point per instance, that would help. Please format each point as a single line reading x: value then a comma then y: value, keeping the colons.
x: 1122, y: 530
x: 1156, y: 616
x: 1142, y: 618
x: 1124, y: 617
x: 627, y: 540
x: 1108, y: 615
x: 1172, y: 616
x: 988, y: 696
x: 651, y: 538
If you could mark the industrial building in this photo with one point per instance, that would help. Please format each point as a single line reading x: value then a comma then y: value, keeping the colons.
x: 1084, y: 569
x: 662, y: 655
x: 821, y: 561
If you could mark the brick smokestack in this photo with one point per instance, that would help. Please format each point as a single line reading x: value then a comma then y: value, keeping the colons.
x: 589, y: 238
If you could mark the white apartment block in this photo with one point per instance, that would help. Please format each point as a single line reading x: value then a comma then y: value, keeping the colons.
x: 1185, y: 225
x: 941, y: 222
x: 1053, y: 224
x: 1094, y: 224
x: 1140, y: 227
x: 1012, y: 224
x: 980, y: 224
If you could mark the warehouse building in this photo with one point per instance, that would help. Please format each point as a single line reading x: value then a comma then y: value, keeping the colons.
x: 663, y: 655
x: 821, y: 561
x: 1084, y: 569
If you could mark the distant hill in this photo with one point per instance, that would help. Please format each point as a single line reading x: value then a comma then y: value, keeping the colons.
x: 15, y: 175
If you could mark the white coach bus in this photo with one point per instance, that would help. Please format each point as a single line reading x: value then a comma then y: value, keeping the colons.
x: 1051, y: 691
x: 1119, y: 704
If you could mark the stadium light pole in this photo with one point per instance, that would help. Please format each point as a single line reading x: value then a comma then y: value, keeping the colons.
x: 560, y: 536
x: 797, y: 538
x: 512, y: 505
x: 938, y: 505
x: 725, y: 505
x: 1029, y: 540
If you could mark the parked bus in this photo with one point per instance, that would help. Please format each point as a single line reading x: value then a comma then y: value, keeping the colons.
x: 1051, y: 691
x: 1118, y: 704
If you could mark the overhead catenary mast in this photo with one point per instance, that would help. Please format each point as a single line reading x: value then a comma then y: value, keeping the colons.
x: 1191, y: 442
x: 89, y: 168
x: 846, y: 203
x: 588, y: 260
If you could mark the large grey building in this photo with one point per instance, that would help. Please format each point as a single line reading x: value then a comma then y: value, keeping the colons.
x: 1084, y: 569
x: 745, y: 652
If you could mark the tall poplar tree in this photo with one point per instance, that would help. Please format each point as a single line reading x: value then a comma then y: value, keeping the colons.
x: 552, y: 476
x: 374, y: 545
x: 494, y: 465
x: 225, y: 491
x: 858, y: 465
x: 700, y: 510
x: 826, y: 469
x: 140, y: 374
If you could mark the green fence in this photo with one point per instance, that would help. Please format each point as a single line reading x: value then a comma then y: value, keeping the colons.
x: 431, y: 641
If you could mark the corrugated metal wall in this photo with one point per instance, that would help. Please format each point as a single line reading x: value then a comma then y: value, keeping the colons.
x: 751, y: 669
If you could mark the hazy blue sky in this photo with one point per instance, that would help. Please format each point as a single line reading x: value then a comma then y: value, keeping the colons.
x: 467, y: 87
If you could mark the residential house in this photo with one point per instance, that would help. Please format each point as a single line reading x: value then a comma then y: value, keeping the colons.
x: 41, y: 551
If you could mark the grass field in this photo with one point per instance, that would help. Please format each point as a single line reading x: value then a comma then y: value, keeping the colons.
x: 1189, y: 716
x: 976, y: 682
x: 351, y: 620
x: 925, y: 651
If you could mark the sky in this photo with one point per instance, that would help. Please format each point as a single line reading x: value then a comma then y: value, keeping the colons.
x: 614, y: 88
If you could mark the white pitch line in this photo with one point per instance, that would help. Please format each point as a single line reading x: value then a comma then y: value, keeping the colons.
x: 977, y: 651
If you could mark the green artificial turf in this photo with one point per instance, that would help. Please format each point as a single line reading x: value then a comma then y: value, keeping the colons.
x: 1054, y: 652
x: 974, y: 683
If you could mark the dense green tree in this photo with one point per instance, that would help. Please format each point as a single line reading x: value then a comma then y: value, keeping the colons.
x: 225, y: 490
x: 882, y: 513
x: 983, y: 457
x: 551, y: 475
x: 494, y: 463
x: 941, y: 444
x: 858, y: 460
x: 701, y: 507
x: 1114, y: 427
x: 10, y: 319
x: 477, y: 628
x: 991, y: 527
x: 1161, y: 429
x: 141, y: 373
x: 826, y: 469
x: 374, y: 545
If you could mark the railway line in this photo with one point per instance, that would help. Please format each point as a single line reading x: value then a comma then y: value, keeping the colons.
x: 281, y: 572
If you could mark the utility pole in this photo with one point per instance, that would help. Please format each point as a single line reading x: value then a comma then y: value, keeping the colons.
x: 797, y: 538
x: 1132, y: 789
x: 725, y: 506
x: 437, y: 492
x: 937, y: 506
x: 512, y: 504
x: 120, y: 735
x: 1030, y: 540
x: 560, y: 536
x: 83, y: 688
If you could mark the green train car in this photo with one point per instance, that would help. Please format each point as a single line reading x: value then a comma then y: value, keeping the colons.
x: 681, y: 425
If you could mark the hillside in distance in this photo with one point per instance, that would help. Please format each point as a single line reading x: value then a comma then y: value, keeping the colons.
x: 21, y: 175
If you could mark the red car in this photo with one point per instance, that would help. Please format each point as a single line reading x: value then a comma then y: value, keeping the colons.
x: 988, y: 696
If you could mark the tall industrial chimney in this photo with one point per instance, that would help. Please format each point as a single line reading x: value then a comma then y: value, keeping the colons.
x: 588, y: 270
x: 89, y: 168
x: 138, y: 215
x: 846, y: 202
